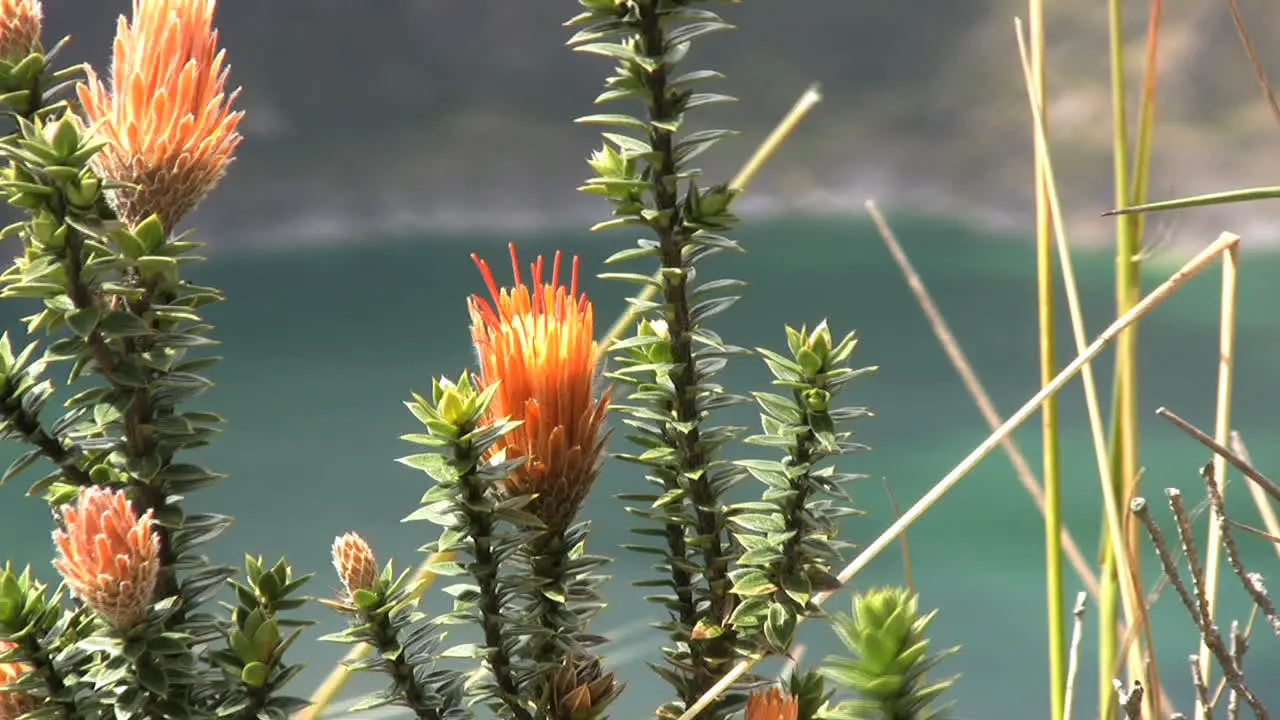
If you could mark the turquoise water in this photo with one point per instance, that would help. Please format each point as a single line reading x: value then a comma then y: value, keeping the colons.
x: 323, y: 344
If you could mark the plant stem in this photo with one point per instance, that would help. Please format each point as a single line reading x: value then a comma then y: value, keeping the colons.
x: 388, y: 645
x: 485, y: 572
x: 672, y: 238
x: 1054, y: 592
x: 1124, y: 418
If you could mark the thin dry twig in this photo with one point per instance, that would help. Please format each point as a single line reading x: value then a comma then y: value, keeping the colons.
x: 942, y: 331
x: 906, y: 546
x: 1239, y: 644
x: 1130, y: 701
x: 1073, y: 656
x: 1259, y: 72
x: 1248, y: 470
x: 1201, y: 688
x: 1252, y: 581
x: 1265, y: 509
x: 1194, y: 603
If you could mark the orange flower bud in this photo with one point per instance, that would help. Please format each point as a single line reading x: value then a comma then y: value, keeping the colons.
x: 538, y: 344
x: 20, y: 23
x: 108, y: 555
x: 167, y: 118
x: 355, y: 563
x: 772, y: 704
x: 14, y: 705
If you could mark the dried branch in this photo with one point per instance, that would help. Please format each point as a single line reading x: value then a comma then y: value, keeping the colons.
x: 1252, y: 581
x: 1073, y: 657
x: 1195, y: 603
x: 1249, y: 471
x: 1239, y: 644
x: 1201, y: 688
x: 1131, y: 701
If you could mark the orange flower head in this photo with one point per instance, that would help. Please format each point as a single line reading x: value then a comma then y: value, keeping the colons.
x: 167, y: 118
x: 20, y: 23
x: 14, y: 705
x: 108, y: 555
x: 772, y: 704
x: 537, y: 343
x: 355, y: 563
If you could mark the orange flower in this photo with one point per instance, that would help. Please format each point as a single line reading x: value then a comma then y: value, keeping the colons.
x: 108, y: 555
x: 20, y: 22
x: 772, y: 704
x: 537, y: 343
x: 354, y: 561
x: 14, y: 705
x: 167, y: 118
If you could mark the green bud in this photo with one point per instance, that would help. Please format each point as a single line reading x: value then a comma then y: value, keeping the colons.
x: 254, y: 674
x: 63, y: 136
x: 84, y: 194
x: 150, y: 233
x: 817, y: 400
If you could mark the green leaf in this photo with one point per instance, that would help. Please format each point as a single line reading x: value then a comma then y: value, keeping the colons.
x: 437, y: 466
x: 118, y: 323
x: 1222, y: 198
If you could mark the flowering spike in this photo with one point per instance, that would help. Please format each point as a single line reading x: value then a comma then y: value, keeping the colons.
x: 355, y: 563
x: 14, y: 705
x: 167, y: 118
x: 108, y: 555
x: 20, y: 23
x: 537, y: 342
x: 772, y: 704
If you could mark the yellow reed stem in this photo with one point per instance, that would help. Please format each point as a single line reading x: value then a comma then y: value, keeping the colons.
x: 955, y: 354
x: 1192, y: 268
x: 1129, y: 583
x: 1221, y: 435
x: 1055, y: 608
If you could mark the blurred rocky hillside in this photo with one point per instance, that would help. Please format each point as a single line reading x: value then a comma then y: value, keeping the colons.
x: 367, y: 116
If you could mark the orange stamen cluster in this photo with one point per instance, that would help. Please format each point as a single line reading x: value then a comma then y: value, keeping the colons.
x: 108, y: 555
x: 167, y: 118
x: 772, y: 704
x: 537, y: 342
x: 14, y: 705
x: 20, y: 23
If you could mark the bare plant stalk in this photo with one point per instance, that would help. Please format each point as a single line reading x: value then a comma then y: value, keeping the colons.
x: 1129, y: 586
x: 951, y: 346
x: 1252, y: 582
x: 943, y: 486
x: 1193, y: 600
x: 1073, y: 662
x: 1051, y: 439
x: 1202, y: 689
x: 1259, y: 72
x: 1221, y: 435
x: 1264, y: 506
x: 1253, y: 474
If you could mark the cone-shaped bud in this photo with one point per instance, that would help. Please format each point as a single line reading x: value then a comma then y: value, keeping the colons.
x: 581, y: 690
x: 772, y: 704
x: 20, y: 23
x: 14, y: 705
x: 108, y: 555
x: 537, y: 342
x: 167, y: 117
x: 355, y: 563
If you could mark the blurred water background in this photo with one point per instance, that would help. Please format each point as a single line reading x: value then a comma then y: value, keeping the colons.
x: 323, y: 344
